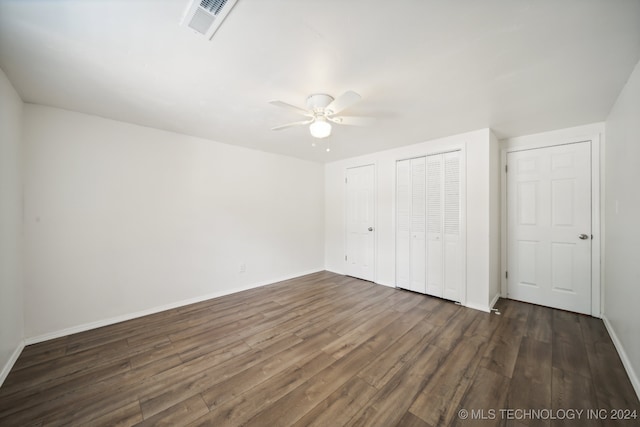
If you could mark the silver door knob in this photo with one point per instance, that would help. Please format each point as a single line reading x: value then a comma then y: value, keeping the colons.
x: 583, y: 236
x: 370, y: 228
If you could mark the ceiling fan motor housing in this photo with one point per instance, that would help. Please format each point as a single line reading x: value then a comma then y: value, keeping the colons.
x: 318, y: 102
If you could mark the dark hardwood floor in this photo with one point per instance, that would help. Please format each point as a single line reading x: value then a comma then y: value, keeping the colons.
x: 325, y: 350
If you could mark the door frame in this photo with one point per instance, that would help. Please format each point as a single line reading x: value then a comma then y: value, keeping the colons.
x: 345, y: 196
x: 596, y: 254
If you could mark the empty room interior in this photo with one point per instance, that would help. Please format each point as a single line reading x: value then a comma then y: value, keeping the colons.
x: 339, y: 213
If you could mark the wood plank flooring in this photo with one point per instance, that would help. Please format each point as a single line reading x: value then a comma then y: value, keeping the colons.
x: 323, y: 350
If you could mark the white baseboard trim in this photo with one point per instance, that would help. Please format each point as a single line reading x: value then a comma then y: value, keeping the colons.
x: 623, y: 355
x: 494, y: 301
x: 106, y: 322
x: 385, y: 284
x: 12, y: 360
x: 478, y: 307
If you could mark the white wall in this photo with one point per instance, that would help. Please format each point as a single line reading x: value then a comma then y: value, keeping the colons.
x: 11, y: 298
x: 622, y: 213
x: 121, y: 220
x: 476, y: 145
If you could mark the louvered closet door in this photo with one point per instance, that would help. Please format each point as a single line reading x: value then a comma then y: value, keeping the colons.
x: 435, y: 272
x: 453, y: 267
x: 418, y: 205
x: 403, y: 222
x: 428, y: 216
x: 410, y: 224
x: 444, y: 244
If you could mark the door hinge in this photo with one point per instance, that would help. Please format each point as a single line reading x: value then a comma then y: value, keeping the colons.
x: 345, y: 257
x: 506, y: 274
x: 506, y: 168
x: 345, y: 180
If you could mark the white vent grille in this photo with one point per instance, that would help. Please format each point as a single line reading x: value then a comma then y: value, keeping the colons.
x: 213, y: 6
x: 201, y: 21
x: 205, y: 16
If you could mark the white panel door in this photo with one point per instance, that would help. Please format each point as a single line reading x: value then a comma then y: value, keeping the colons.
x: 549, y: 226
x: 360, y: 222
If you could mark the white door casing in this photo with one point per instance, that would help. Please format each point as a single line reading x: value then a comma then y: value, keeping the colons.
x: 549, y: 236
x: 360, y: 220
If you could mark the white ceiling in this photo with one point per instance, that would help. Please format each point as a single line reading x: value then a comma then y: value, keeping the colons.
x: 425, y: 69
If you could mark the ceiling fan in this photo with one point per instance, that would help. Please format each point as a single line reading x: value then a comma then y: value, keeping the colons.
x: 322, y: 110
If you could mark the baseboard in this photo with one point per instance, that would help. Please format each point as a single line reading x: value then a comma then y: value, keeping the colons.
x: 478, y: 307
x: 494, y: 301
x: 385, y: 284
x: 623, y: 355
x: 106, y: 322
x: 12, y: 360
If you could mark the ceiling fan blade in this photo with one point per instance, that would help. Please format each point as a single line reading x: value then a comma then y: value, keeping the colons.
x: 289, y: 125
x: 291, y: 107
x: 342, y: 102
x: 352, y: 121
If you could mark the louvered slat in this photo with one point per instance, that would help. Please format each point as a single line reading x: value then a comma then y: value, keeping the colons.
x: 434, y: 194
x: 452, y: 193
x: 418, y: 190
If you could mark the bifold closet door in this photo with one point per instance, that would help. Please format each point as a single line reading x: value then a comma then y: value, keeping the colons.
x: 428, y: 236
x: 453, y: 266
x: 444, y: 245
x: 435, y: 272
x: 410, y: 224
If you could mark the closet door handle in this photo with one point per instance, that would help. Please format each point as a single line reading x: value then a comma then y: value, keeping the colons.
x: 583, y: 236
x: 370, y: 228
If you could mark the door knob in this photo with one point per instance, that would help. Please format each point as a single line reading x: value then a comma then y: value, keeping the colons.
x: 583, y: 236
x: 370, y: 228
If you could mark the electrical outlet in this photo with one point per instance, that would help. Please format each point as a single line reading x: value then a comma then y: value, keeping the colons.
x: 243, y: 267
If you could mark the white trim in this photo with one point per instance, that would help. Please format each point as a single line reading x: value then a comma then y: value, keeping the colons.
x: 596, y: 254
x: 596, y: 231
x: 463, y: 221
x: 503, y: 223
x: 633, y: 377
x: 494, y: 301
x: 375, y: 219
x: 12, y: 360
x: 389, y: 285
x: 451, y: 149
x: 129, y: 316
x: 478, y: 307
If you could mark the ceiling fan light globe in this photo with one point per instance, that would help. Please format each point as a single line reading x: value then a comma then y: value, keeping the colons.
x: 320, y: 128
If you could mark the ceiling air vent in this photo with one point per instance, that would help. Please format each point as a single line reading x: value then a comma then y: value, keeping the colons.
x: 205, y: 16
